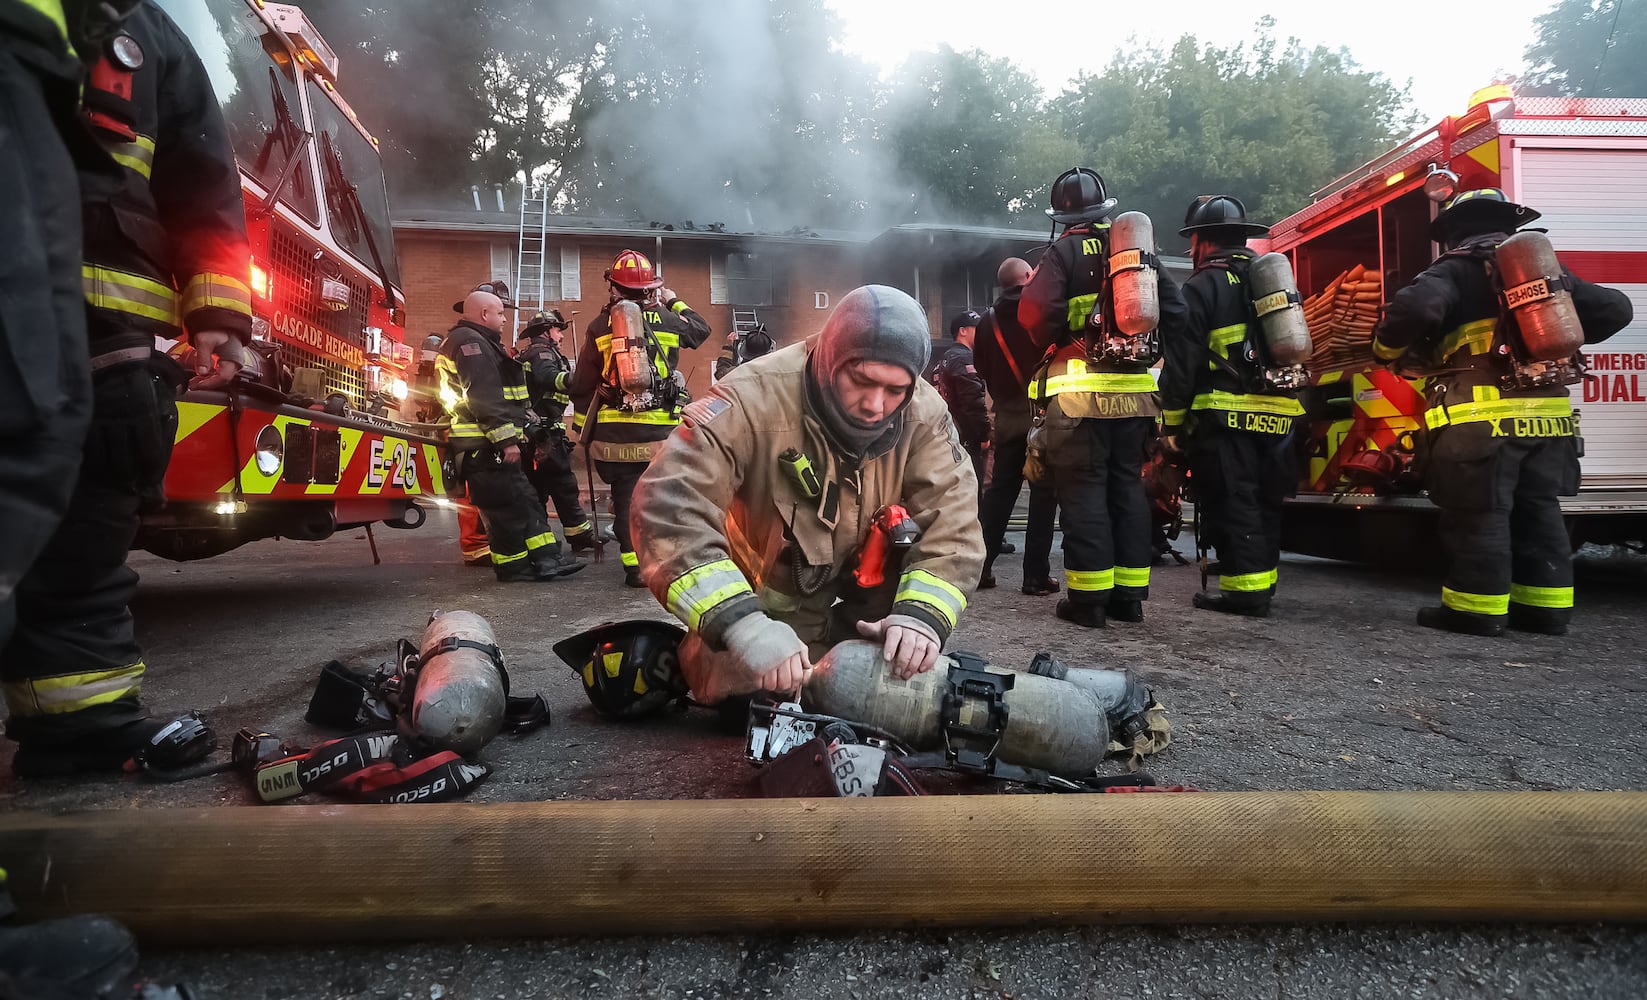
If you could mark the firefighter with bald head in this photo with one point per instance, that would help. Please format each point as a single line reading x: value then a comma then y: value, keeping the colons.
x: 758, y: 515
x: 628, y: 385
x: 1496, y: 323
x: 484, y: 391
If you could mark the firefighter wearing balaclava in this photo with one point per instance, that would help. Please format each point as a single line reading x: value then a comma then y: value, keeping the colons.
x: 1096, y: 415
x: 751, y: 521
x: 1216, y: 406
x: 1502, y: 445
x: 629, y: 373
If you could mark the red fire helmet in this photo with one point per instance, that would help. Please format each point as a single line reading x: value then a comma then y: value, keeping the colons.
x: 633, y: 270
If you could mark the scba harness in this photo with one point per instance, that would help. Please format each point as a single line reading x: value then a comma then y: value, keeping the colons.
x: 373, y: 767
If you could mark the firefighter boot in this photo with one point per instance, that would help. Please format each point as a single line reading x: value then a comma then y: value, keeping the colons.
x: 632, y: 577
x: 1123, y: 610
x: 1462, y: 622
x: 586, y: 541
x: 165, y: 743
x: 84, y: 956
x: 1252, y: 605
x: 552, y: 564
x: 1545, y: 621
x: 1084, y: 615
x: 1040, y: 588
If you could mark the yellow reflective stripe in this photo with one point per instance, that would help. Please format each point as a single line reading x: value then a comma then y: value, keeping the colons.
x: 73, y: 692
x: 667, y: 339
x: 629, y: 558
x: 540, y: 540
x: 216, y: 290
x: 1477, y: 336
x: 920, y: 587
x: 1498, y: 409
x: 679, y: 307
x: 702, y: 589
x: 604, y: 342
x: 572, y: 530
x: 498, y: 559
x: 502, y: 433
x: 1080, y: 310
x: 608, y: 416
x: 445, y: 364
x: 1219, y: 341
x: 1089, y: 579
x: 463, y: 429
x: 137, y: 155
x: 1274, y: 575
x: 1246, y: 583
x: 1172, y: 418
x: 1383, y: 352
x: 1541, y: 597
x: 120, y: 291
x: 1284, y: 406
x: 514, y: 392
x: 1095, y: 382
x: 1476, y: 604
x: 52, y: 10
x: 1132, y: 576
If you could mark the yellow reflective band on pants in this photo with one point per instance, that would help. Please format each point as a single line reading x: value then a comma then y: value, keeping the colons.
x: 702, y: 589
x: 920, y: 587
x: 1247, y: 583
x: 499, y: 559
x: 539, y: 541
x: 218, y: 291
x: 121, y: 291
x: 576, y: 529
x: 1246, y: 402
x: 629, y: 559
x: 1525, y: 411
x: 1132, y: 576
x: 73, y: 692
x: 1089, y: 580
x: 1541, y: 597
x: 1476, y: 604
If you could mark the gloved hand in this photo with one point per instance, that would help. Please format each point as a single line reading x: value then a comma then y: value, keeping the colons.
x: 908, y: 644
x: 1172, y: 445
x: 230, y: 354
x: 769, y: 651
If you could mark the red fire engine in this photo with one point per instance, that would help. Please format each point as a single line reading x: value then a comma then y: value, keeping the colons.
x: 1583, y: 164
x: 307, y: 441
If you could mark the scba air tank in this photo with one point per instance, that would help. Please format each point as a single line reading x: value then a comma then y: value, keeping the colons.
x: 460, y: 698
x: 1053, y: 724
x: 629, y: 354
x: 1133, y: 278
x: 1280, y: 310
x: 1538, y: 298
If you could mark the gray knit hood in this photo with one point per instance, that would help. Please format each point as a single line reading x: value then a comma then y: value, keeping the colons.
x: 873, y: 323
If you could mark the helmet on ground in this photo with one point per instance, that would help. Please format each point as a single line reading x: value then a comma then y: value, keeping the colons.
x: 1480, y: 210
x: 633, y: 270
x: 1078, y: 195
x: 629, y: 669
x: 1219, y: 211
x: 496, y: 287
x: 548, y: 319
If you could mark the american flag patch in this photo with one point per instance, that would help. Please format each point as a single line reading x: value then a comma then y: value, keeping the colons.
x: 469, y: 349
x: 701, y: 411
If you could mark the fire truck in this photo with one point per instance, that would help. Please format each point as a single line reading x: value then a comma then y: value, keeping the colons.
x: 1583, y: 164
x: 307, y: 440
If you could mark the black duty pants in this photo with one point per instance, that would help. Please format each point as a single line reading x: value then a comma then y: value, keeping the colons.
x: 1240, y: 479
x: 552, y: 477
x: 516, y: 528
x: 1507, y: 543
x: 621, y: 477
x: 1001, y: 496
x: 1097, y: 472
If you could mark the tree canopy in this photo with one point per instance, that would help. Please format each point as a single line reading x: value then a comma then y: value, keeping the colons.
x: 1588, y: 48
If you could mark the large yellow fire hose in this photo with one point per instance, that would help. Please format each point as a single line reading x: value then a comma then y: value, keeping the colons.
x: 361, y: 872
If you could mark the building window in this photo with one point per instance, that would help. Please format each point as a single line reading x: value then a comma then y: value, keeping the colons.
x: 745, y: 279
x: 559, y: 281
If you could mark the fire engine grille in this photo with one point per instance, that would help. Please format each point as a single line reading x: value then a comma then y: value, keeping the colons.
x: 297, y: 277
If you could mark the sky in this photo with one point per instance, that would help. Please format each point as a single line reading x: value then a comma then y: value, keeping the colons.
x: 1389, y: 38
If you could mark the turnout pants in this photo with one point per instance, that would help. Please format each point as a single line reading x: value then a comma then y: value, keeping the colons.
x: 552, y: 477
x: 1097, y: 472
x: 1241, y: 478
x: 1006, y: 479
x: 72, y: 667
x: 516, y: 527
x: 622, y: 477
x: 472, y: 532
x: 1507, y: 545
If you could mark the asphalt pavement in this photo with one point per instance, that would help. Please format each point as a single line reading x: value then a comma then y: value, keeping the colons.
x: 1338, y: 690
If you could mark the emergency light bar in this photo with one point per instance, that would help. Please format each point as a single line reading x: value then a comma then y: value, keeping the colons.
x: 304, y: 37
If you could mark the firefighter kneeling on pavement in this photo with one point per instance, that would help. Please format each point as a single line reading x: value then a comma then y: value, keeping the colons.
x: 749, y: 522
x: 1218, y: 408
x: 484, y: 391
x: 1497, y: 324
x: 548, y: 376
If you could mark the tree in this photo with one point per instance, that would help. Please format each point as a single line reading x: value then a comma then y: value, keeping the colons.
x: 1267, y: 123
x: 1588, y: 48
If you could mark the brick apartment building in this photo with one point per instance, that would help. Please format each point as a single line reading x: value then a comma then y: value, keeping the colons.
x: 789, y: 280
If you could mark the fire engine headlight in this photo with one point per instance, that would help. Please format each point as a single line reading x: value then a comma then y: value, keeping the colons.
x: 399, y: 389
x: 229, y: 507
x: 1440, y: 184
x: 271, y: 448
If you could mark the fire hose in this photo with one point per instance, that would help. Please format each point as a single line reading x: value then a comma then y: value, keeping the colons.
x: 183, y: 877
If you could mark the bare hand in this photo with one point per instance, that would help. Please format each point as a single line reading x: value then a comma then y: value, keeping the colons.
x: 666, y: 295
x: 789, y: 675
x: 907, y: 644
x: 226, y: 348
x: 510, y: 455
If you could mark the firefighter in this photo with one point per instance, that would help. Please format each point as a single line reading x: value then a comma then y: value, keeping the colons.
x: 484, y: 390
x: 629, y: 423
x: 1096, y: 415
x: 1216, y: 407
x: 548, y: 373
x: 164, y: 244
x: 1500, y: 454
x: 750, y: 521
x: 956, y: 378
x: 742, y: 346
x: 1005, y: 357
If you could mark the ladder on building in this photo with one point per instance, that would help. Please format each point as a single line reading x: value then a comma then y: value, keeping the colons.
x: 744, y: 320
x: 532, y: 253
